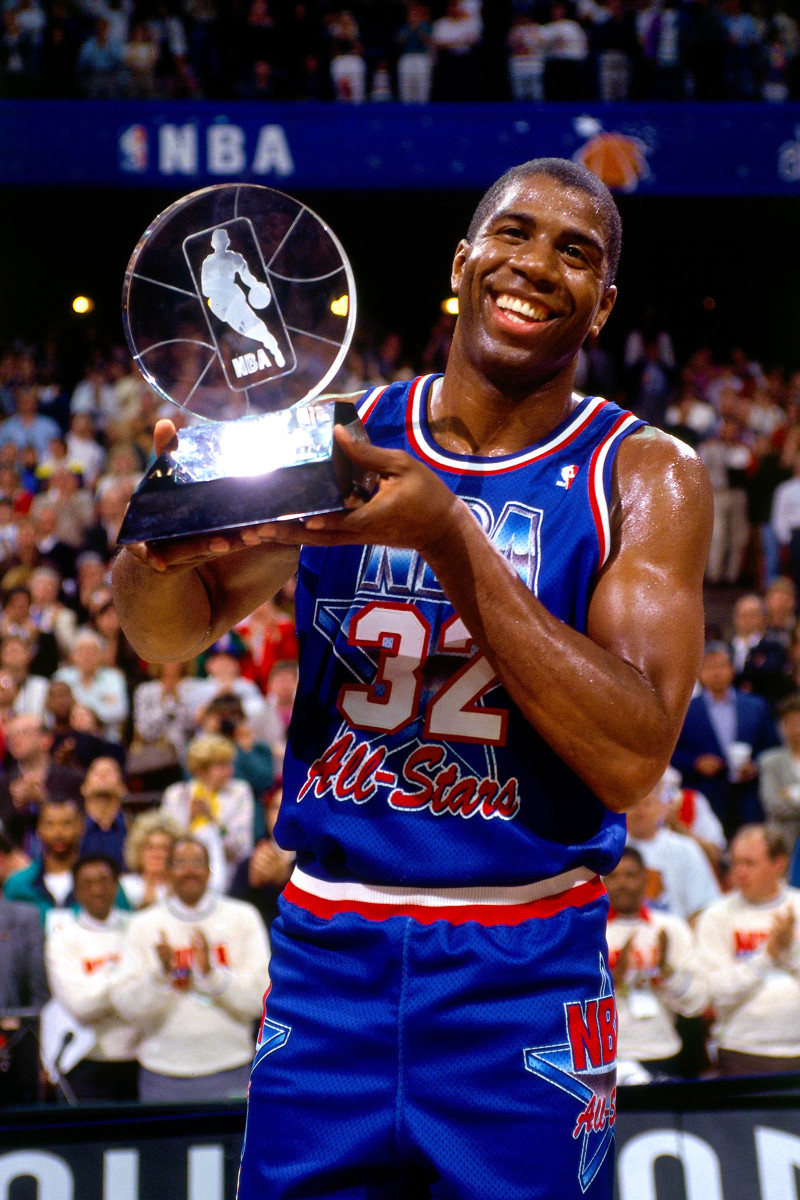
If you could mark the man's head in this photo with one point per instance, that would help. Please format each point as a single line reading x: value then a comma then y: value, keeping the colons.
x: 789, y: 719
x: 646, y: 818
x: 716, y: 669
x: 87, y: 652
x: 570, y: 175
x: 758, y: 858
x: 17, y: 607
x: 60, y: 829
x: 533, y: 276
x: 627, y: 883
x: 15, y: 657
x: 95, y: 880
x: 27, y: 740
x: 749, y: 617
x: 780, y: 601
x: 189, y: 871
x: 282, y: 682
x: 104, y: 781
x: 59, y: 701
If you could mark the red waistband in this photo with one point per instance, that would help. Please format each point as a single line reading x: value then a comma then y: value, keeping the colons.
x: 457, y: 914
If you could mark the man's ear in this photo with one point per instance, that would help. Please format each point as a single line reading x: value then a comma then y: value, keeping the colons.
x: 458, y: 265
x: 604, y: 310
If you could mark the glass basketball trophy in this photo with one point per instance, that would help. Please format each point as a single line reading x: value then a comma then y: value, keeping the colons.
x: 239, y: 307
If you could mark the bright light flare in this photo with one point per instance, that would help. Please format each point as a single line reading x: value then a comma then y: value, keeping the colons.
x: 82, y: 305
x: 450, y: 306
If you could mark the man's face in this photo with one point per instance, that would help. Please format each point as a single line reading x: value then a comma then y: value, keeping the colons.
x: 96, y: 889
x: 753, y: 872
x: 541, y: 250
x: 15, y: 656
x: 59, y: 700
x: 716, y: 672
x: 626, y: 886
x: 60, y: 828
x: 748, y: 616
x: 25, y: 738
x: 104, y: 778
x: 646, y: 817
x: 188, y: 872
x: 790, y: 728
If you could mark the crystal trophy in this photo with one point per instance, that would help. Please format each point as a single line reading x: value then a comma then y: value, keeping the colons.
x: 239, y: 308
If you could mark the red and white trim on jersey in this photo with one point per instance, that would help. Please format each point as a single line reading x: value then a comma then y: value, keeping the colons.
x: 428, y: 451
x: 365, y: 406
x: 486, y: 905
x: 597, y: 492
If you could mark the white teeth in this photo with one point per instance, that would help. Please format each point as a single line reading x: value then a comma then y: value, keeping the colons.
x: 534, y: 312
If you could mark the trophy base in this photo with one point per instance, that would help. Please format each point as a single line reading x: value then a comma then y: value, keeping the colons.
x: 211, y: 483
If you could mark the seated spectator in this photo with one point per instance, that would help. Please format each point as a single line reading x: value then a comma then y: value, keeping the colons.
x: 105, y: 828
x: 281, y: 690
x: 48, y: 613
x: 28, y: 427
x: 348, y: 72
x: 261, y: 878
x: 15, y: 621
x: 31, y: 776
x: 23, y: 984
x: 73, y: 505
x: 223, y: 662
x: 749, y: 957
x: 269, y: 637
x: 84, y: 452
x: 74, y: 731
x: 47, y: 881
x: 651, y: 956
x: 147, y: 851
x: 679, y: 877
x: 101, y: 689
x: 192, y: 978
x: 51, y: 551
x: 724, y: 733
x: 253, y: 762
x: 17, y: 568
x: 119, y: 653
x: 83, y: 951
x: 164, y: 712
x: 689, y: 813
x: 749, y: 619
x: 779, y: 775
x: 211, y: 801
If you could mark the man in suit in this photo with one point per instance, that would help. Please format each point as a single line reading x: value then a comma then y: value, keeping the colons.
x: 724, y: 732
x: 23, y: 984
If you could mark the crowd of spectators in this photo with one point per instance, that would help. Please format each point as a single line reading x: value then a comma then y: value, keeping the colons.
x: 379, y: 50
x: 138, y: 868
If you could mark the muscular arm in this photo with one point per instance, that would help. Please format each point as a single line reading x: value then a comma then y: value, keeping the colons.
x: 611, y: 704
x: 174, y: 600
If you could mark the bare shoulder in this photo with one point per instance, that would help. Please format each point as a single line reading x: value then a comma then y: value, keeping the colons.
x: 658, y: 473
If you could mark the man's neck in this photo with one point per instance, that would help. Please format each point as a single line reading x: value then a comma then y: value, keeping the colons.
x: 58, y: 864
x: 102, y: 809
x: 469, y: 414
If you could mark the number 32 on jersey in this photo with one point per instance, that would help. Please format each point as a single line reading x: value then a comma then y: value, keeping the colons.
x: 392, y: 701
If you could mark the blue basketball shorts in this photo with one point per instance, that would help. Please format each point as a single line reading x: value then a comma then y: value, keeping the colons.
x: 448, y: 1044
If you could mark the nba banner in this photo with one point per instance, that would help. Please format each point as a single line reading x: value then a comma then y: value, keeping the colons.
x: 652, y: 149
x: 728, y: 1142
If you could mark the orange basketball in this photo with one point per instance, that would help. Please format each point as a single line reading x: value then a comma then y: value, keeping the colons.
x: 615, y: 159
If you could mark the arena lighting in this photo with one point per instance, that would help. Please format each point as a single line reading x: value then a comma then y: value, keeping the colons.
x: 709, y: 304
x: 82, y: 305
x: 339, y: 307
x: 450, y: 305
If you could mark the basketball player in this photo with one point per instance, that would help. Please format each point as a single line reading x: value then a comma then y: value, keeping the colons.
x: 218, y: 281
x: 497, y: 651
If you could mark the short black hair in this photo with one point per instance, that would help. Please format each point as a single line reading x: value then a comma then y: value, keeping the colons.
x: 636, y: 855
x: 569, y: 174
x: 89, y: 860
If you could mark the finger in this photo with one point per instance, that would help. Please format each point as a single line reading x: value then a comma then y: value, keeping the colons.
x: 365, y: 454
x: 165, y: 436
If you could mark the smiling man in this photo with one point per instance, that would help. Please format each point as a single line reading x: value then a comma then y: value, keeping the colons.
x: 497, y: 653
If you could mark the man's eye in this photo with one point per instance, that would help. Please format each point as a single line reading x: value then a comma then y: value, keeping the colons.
x: 512, y: 231
x: 575, y: 252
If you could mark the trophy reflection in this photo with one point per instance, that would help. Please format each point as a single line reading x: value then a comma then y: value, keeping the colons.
x: 239, y: 308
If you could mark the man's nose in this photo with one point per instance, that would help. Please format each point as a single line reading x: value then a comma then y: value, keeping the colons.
x: 537, y: 259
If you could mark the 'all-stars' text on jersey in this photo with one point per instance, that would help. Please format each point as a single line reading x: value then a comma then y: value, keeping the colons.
x: 407, y: 762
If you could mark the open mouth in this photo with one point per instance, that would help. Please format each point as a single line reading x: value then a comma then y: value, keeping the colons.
x: 522, y: 312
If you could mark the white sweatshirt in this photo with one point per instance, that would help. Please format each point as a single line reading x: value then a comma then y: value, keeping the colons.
x: 82, y: 957
x: 646, y: 1000
x: 193, y: 1024
x: 757, y: 1002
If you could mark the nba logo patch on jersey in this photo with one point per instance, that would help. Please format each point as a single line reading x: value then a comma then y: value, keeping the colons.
x: 567, y: 475
x: 584, y: 1066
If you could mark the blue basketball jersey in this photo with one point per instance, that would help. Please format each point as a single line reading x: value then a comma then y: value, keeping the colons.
x: 407, y: 762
